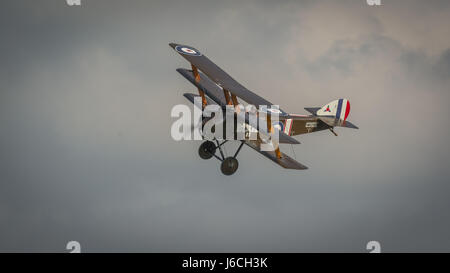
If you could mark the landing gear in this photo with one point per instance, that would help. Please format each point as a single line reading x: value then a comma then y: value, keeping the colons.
x: 207, y: 150
x: 229, y: 164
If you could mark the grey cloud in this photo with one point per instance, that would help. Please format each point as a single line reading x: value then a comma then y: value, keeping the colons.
x: 442, y: 66
x: 86, y: 154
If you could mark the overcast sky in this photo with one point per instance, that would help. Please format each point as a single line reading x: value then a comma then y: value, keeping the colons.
x: 86, y: 152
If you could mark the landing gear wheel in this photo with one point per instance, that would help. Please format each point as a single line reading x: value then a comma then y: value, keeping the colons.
x: 207, y: 150
x: 229, y: 166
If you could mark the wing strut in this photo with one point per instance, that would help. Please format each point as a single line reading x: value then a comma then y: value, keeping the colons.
x: 235, y: 102
x: 197, y: 80
x: 270, y: 129
x: 227, y: 96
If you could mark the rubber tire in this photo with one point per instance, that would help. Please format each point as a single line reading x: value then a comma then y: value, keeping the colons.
x: 229, y: 166
x: 207, y: 150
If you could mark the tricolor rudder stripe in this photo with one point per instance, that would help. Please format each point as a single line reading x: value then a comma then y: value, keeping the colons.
x: 347, y: 109
x: 343, y: 109
x: 288, y: 126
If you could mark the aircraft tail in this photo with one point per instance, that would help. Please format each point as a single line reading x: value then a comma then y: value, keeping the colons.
x: 340, y: 109
x: 334, y: 113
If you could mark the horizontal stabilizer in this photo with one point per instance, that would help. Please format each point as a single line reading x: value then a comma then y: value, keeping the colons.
x: 334, y: 122
x: 312, y: 110
x: 348, y: 124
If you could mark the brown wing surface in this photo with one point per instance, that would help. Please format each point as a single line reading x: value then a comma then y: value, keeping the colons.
x: 220, y: 77
x: 215, y: 93
x: 285, y: 161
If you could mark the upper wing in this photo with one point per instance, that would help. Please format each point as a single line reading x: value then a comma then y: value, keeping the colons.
x: 206, y: 85
x: 220, y: 77
x: 215, y: 93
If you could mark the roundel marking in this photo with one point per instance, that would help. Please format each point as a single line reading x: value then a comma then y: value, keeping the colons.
x: 187, y: 50
x: 279, y: 126
x: 274, y: 110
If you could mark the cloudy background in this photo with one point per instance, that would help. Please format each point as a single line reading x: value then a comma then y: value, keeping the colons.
x: 85, y: 147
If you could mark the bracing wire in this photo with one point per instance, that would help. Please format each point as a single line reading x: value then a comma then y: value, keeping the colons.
x: 293, y: 152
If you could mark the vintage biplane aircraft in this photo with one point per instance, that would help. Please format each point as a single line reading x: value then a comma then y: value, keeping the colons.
x: 215, y: 86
